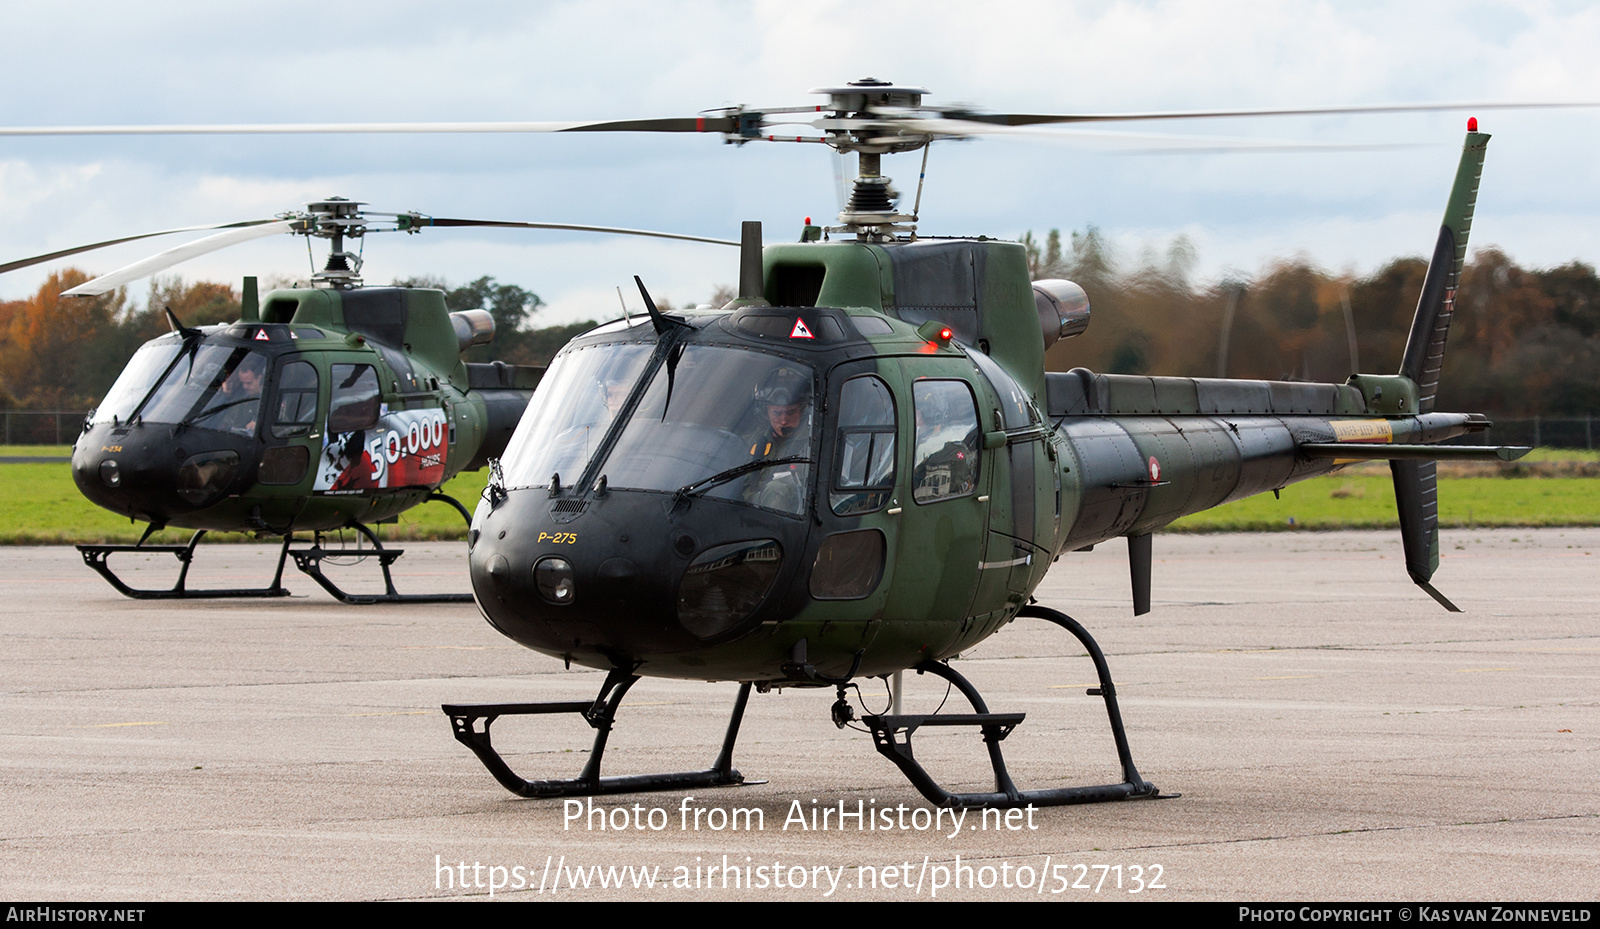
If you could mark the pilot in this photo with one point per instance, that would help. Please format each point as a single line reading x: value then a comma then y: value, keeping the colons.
x: 781, y: 401
x: 236, y: 404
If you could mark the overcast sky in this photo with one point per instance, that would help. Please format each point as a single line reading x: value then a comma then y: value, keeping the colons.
x: 282, y: 61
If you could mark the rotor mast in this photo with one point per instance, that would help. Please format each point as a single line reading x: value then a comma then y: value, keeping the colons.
x: 858, y: 124
x: 336, y: 219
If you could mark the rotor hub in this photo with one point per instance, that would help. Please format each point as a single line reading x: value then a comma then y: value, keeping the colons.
x: 335, y: 219
x: 868, y: 117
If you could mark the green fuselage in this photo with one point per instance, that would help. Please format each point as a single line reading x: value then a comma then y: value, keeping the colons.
x: 940, y: 480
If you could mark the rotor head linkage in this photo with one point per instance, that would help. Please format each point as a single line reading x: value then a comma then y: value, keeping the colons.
x: 860, y: 124
x: 334, y: 219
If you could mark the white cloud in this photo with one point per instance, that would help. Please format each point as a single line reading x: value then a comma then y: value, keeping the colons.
x: 612, y: 59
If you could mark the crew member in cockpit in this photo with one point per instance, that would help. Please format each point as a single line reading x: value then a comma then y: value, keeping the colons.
x: 234, y: 407
x: 782, y: 401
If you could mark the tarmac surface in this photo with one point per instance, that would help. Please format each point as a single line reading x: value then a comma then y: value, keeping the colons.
x: 1334, y: 733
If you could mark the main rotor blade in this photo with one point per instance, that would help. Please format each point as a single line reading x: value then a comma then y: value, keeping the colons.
x: 747, y: 122
x: 67, y: 252
x: 182, y: 253
x: 613, y: 230
x: 678, y: 124
x: 1035, y: 119
x: 744, y: 122
x: 1128, y: 142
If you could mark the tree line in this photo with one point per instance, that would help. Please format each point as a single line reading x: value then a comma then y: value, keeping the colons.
x: 1524, y: 341
x: 62, y: 353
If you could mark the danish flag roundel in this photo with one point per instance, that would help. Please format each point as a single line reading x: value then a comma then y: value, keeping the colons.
x: 1155, y: 470
x: 800, y: 331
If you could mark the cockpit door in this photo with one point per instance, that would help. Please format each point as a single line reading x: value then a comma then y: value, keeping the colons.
x: 941, y: 502
x: 858, y: 490
x: 291, y: 432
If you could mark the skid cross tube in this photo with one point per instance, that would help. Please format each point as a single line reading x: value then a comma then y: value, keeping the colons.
x: 98, y: 557
x: 996, y: 726
x: 309, y: 561
x: 600, y: 714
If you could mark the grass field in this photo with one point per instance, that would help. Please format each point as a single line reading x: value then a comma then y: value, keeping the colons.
x: 1551, y: 487
x: 39, y: 505
x: 1366, y: 501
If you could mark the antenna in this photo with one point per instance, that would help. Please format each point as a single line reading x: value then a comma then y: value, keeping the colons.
x: 624, y: 303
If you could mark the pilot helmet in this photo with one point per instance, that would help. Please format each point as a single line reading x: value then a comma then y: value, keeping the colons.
x: 783, y: 387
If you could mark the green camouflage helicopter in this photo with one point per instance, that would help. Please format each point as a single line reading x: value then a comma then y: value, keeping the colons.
x: 328, y: 407
x: 860, y: 467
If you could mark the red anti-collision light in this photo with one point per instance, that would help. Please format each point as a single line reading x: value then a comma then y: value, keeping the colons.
x: 937, y: 334
x: 1472, y: 124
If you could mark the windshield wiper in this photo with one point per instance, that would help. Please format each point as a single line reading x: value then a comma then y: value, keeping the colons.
x: 722, y: 477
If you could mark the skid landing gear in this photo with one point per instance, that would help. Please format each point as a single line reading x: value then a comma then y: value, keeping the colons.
x: 307, y: 560
x: 98, y: 557
x: 600, y: 714
x: 887, y: 737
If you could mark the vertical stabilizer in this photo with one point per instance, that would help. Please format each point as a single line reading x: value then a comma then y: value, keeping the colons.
x: 1416, y: 483
x: 1139, y: 559
x: 1429, y: 328
x: 1416, y: 496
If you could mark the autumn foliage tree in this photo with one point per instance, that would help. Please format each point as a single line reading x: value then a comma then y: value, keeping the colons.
x: 51, y: 347
x: 1524, y: 342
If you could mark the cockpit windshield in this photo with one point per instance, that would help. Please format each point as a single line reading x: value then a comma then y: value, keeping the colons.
x: 148, y: 364
x: 212, y: 387
x: 727, y: 423
x: 571, y: 411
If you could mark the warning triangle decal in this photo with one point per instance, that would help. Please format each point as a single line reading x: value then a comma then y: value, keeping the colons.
x: 261, y: 336
x: 800, y: 331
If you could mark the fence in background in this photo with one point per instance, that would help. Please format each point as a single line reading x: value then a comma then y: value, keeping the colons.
x: 40, y: 427
x: 1539, y: 431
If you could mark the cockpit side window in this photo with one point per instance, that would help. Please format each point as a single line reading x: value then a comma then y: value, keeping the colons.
x: 354, y: 404
x: 947, y: 440
x: 297, y: 400
x: 865, y: 453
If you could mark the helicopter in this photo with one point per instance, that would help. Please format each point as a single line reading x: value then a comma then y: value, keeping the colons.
x: 859, y: 466
x: 328, y: 407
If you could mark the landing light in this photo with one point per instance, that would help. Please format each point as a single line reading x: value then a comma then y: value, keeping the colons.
x: 555, y: 579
